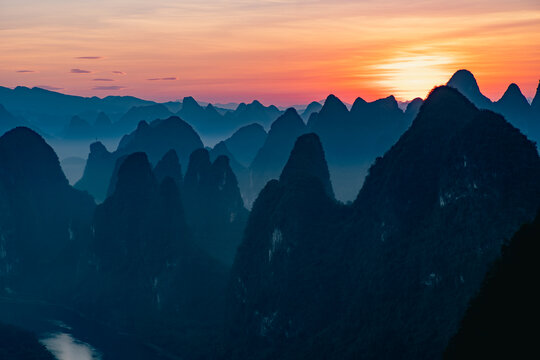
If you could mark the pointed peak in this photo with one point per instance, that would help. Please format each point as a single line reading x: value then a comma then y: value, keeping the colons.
x: 142, y: 125
x: 27, y: 157
x: 462, y: 76
x: 169, y: 166
x: 333, y: 106
x: 307, y: 159
x: 535, y: 104
x: 288, y: 119
x: 170, y: 155
x: 256, y: 103
x: 135, y: 175
x: 98, y: 148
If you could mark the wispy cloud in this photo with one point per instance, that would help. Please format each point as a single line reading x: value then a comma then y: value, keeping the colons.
x: 103, y: 79
x: 25, y: 71
x: 89, y: 57
x: 47, y: 87
x: 80, y: 71
x: 163, y: 78
x: 108, y: 87
x: 118, y: 72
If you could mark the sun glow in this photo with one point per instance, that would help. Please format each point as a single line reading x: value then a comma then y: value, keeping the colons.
x: 413, y: 76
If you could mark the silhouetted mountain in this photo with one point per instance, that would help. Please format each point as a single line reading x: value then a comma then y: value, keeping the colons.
x: 8, y: 121
x: 535, y: 104
x: 464, y: 81
x: 130, y: 120
x: 515, y: 108
x: 352, y: 140
x: 205, y: 120
x: 18, y: 344
x: 158, y: 137
x: 169, y: 165
x: 147, y: 273
x: 241, y: 172
x: 307, y: 160
x: 500, y: 319
x: 254, y: 112
x: 313, y: 107
x: 154, y: 139
x: 51, y: 110
x: 97, y: 172
x: 214, y: 208
x: 42, y: 218
x: 275, y: 285
x: 399, y: 266
x: 246, y: 142
x: 103, y: 124
x: 412, y: 109
x: 273, y: 155
x: 78, y: 128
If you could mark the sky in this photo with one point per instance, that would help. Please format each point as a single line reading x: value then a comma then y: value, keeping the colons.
x: 280, y: 52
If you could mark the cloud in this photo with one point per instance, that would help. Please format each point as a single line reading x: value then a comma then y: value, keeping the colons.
x: 108, y: 87
x: 103, y: 79
x: 47, y: 87
x: 80, y: 71
x: 118, y: 72
x: 25, y: 71
x: 89, y: 57
x: 164, y: 78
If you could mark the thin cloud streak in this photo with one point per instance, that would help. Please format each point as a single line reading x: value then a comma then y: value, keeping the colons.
x: 162, y: 79
x: 25, y: 71
x: 89, y: 57
x: 108, y: 88
x: 80, y: 71
x: 102, y: 79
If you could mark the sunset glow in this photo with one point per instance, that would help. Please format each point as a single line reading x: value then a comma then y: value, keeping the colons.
x: 282, y: 52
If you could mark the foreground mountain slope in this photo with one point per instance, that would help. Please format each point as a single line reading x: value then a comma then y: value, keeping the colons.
x: 155, y: 139
x: 399, y: 266
x: 274, y: 286
x: 42, y: 218
x: 499, y: 320
x: 147, y: 273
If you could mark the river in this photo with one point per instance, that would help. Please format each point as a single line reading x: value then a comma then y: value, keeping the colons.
x: 69, y: 336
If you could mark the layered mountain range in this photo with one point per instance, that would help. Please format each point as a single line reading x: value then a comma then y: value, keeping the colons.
x: 171, y: 253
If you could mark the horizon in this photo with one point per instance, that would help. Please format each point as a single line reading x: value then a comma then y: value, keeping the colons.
x: 234, y: 104
x: 277, y: 52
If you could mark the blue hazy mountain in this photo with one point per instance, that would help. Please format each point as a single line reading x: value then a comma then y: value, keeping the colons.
x: 215, y: 210
x: 155, y: 139
x: 142, y: 246
x: 313, y: 107
x: 8, y: 121
x: 400, y: 264
x: 277, y: 147
x: 246, y: 142
x: 512, y: 105
x: 42, y: 218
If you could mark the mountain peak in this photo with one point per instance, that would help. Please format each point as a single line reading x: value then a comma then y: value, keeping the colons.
x: 169, y: 166
x: 514, y: 96
x: 464, y: 81
x: 333, y: 104
x: 535, y: 104
x: 26, y: 156
x: 135, y: 176
x: 307, y: 159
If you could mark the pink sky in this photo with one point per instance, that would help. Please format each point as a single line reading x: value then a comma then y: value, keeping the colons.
x: 281, y: 52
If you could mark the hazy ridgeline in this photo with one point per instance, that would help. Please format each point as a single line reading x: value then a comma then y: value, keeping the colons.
x: 329, y: 231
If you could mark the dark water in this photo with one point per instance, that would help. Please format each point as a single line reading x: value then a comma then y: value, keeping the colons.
x: 72, y: 337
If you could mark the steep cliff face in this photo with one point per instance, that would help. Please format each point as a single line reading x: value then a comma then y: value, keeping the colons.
x: 147, y: 273
x: 399, y: 266
x: 499, y: 319
x: 215, y: 210
x: 42, y: 218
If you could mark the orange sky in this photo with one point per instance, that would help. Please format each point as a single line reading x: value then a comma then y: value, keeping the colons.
x: 281, y: 52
